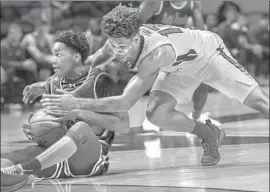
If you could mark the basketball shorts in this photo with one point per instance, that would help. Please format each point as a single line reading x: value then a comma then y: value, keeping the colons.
x: 216, y: 68
x: 60, y: 170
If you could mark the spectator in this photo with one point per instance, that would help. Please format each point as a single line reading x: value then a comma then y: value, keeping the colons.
x: 234, y: 30
x: 211, y: 22
x: 260, y: 37
x: 93, y: 34
x: 228, y: 11
x: 38, y: 46
x: 15, y: 64
x: 228, y: 14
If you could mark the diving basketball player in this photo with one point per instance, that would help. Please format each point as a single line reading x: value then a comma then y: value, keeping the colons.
x: 83, y: 150
x: 178, y: 13
x: 173, y: 61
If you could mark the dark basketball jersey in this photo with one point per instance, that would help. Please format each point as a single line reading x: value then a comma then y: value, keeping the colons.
x: 173, y: 13
x: 85, y: 87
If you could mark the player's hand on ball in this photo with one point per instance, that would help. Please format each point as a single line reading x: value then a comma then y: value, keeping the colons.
x: 64, y: 115
x: 26, y: 130
x: 65, y: 102
x: 32, y: 92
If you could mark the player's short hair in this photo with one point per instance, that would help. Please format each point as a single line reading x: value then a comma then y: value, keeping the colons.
x: 122, y: 21
x: 76, y: 41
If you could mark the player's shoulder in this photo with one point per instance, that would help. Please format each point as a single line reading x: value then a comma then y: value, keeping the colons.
x: 160, y: 51
x: 158, y: 57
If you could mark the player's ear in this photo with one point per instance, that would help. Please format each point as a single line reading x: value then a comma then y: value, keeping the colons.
x: 136, y: 38
x: 77, y: 57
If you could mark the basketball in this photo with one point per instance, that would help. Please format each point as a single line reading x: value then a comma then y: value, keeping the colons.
x: 44, y: 130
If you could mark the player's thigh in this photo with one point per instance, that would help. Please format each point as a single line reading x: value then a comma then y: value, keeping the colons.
x: 179, y: 86
x: 226, y: 75
x: 87, y: 155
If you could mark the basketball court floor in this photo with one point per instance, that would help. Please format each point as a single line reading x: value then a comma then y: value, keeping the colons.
x: 142, y: 161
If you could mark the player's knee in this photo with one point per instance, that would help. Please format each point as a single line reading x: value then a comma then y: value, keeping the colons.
x: 258, y: 100
x: 152, y: 114
x: 157, y: 111
x: 80, y: 133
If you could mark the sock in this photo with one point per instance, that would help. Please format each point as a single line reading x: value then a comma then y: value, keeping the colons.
x: 31, y: 166
x: 62, y: 150
x: 202, y: 130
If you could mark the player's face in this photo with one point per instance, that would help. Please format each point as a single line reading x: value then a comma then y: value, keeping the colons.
x: 15, y: 35
x: 63, y: 61
x: 121, y: 47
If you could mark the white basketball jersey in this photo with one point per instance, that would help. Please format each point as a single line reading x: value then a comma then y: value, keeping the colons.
x: 188, y: 44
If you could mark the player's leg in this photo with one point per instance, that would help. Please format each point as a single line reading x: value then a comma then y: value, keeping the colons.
x: 87, y: 159
x: 77, y: 140
x: 161, y: 112
x: 199, y: 99
x: 16, y: 157
x: 258, y: 100
x: 232, y: 79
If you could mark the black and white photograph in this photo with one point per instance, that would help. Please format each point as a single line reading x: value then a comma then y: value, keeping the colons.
x: 135, y: 96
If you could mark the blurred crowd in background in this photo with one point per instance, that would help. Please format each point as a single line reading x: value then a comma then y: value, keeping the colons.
x: 27, y: 30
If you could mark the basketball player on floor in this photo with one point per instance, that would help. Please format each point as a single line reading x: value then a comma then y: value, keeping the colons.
x: 177, y: 13
x: 85, y: 146
x: 173, y: 61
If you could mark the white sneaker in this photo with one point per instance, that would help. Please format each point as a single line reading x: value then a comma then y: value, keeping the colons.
x: 203, y: 117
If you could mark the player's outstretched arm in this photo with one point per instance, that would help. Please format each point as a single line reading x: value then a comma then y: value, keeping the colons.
x: 118, y: 122
x: 148, y: 9
x: 136, y: 88
x: 197, y: 15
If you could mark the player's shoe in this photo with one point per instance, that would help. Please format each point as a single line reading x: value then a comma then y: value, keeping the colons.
x: 211, y: 154
x: 205, y: 116
x: 12, y: 178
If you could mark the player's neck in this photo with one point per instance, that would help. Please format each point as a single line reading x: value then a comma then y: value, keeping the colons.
x: 76, y: 74
x: 137, y: 46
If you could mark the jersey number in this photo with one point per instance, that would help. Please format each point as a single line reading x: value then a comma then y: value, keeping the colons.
x: 167, y: 30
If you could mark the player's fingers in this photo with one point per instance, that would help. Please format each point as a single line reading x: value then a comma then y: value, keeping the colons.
x: 50, y: 102
x: 25, y: 90
x: 28, y: 97
x: 33, y: 99
x: 53, y: 107
x: 25, y: 96
x: 51, y: 96
x: 57, y: 113
x: 57, y: 119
